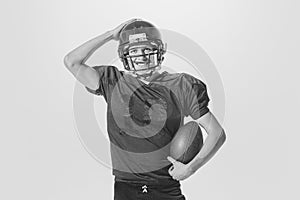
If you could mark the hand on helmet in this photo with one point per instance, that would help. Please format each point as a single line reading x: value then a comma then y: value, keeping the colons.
x: 116, y: 32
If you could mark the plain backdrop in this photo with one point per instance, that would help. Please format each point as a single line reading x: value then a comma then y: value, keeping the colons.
x: 255, y: 48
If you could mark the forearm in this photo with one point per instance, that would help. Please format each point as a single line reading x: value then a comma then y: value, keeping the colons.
x: 211, y: 145
x: 84, y: 51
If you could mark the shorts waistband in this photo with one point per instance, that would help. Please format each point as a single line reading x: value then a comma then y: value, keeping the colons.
x: 158, y: 182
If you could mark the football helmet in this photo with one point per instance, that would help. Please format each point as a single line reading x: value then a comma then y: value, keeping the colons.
x: 141, y: 33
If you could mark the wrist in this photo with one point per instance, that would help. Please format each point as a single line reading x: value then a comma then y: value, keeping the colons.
x: 190, y: 167
x: 110, y: 35
x: 194, y: 165
x: 113, y: 35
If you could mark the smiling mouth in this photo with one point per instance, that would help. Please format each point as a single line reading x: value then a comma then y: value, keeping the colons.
x: 141, y: 63
x: 142, y: 66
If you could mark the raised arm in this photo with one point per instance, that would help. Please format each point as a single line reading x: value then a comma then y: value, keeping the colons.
x: 75, y: 60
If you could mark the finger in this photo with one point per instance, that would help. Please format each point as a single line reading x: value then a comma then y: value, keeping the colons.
x: 131, y: 20
x: 136, y: 19
x: 126, y: 23
x: 171, y: 170
x: 172, y: 160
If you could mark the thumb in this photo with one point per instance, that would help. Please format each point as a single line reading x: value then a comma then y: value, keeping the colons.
x: 172, y: 160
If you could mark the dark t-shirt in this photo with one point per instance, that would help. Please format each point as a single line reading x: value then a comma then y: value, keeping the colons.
x: 143, y: 118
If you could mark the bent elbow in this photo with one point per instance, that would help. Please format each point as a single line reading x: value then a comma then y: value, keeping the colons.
x: 67, y: 62
x: 222, y: 137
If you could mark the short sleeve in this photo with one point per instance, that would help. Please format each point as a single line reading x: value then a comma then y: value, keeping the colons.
x: 195, y: 97
x: 108, y: 76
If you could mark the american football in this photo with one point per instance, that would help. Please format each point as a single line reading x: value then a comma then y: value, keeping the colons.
x: 187, y: 142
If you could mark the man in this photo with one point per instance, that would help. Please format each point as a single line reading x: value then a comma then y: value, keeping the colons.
x: 145, y: 108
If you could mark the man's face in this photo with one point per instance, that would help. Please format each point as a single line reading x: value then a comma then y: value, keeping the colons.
x: 141, y: 58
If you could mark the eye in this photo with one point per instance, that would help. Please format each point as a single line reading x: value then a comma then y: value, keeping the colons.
x: 133, y: 51
x: 147, y: 50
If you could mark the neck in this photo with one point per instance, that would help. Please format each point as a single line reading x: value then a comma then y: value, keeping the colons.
x: 150, y: 78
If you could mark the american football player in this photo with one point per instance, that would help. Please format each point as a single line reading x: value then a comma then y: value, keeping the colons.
x: 145, y: 108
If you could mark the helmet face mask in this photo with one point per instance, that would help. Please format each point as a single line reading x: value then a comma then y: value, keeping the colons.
x: 146, y: 39
x: 141, y: 58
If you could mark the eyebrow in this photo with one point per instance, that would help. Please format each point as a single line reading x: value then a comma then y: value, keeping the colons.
x: 135, y: 48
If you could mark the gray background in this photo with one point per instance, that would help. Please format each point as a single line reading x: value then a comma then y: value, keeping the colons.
x: 254, y: 45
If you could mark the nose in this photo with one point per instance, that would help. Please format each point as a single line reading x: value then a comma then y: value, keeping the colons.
x: 142, y: 58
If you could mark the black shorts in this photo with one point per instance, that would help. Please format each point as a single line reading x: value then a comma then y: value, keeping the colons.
x: 147, y: 191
